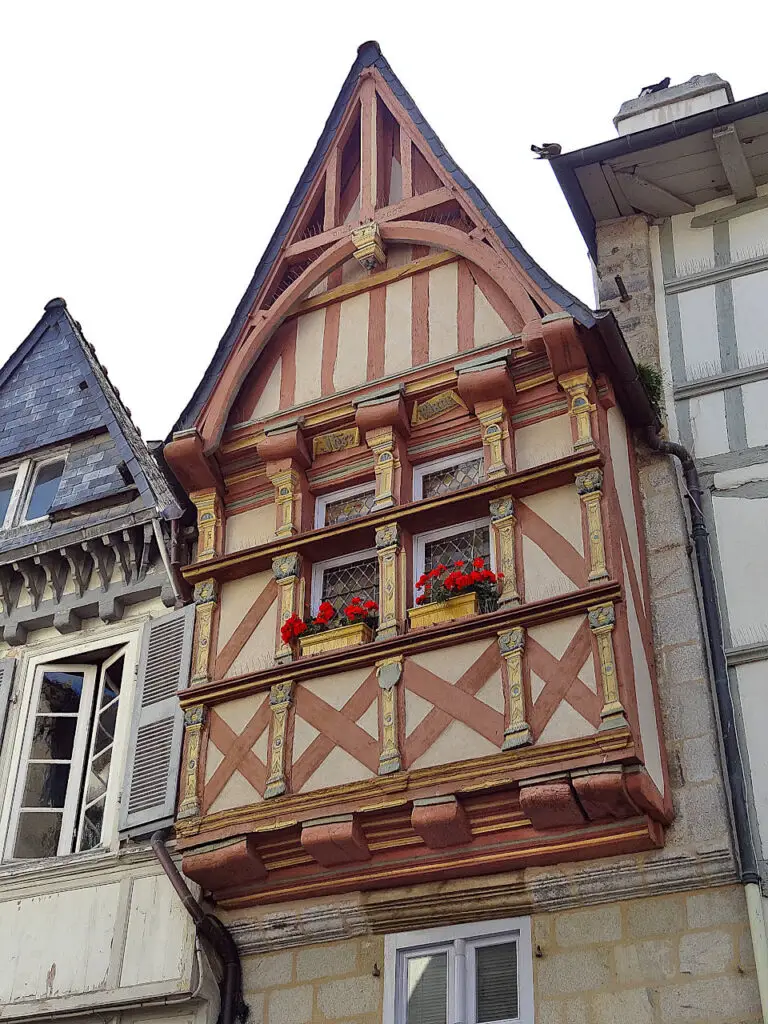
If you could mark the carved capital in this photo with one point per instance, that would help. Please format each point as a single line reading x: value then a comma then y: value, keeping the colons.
x: 512, y: 641
x: 502, y: 508
x: 369, y: 248
x: 589, y: 482
x: 285, y: 567
x: 602, y: 617
x: 387, y: 535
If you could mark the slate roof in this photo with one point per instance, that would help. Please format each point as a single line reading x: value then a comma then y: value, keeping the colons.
x: 368, y: 55
x: 54, y: 390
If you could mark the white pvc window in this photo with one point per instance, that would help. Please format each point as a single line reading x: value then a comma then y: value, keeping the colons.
x: 344, y: 505
x: 463, y: 542
x: 473, y: 974
x: 443, y: 476
x: 66, y: 793
x: 28, y: 490
x: 339, y: 579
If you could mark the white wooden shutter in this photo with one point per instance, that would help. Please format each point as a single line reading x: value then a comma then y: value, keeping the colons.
x: 7, y: 666
x: 148, y: 800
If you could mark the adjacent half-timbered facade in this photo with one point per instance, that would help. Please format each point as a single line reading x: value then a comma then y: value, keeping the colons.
x: 403, y: 388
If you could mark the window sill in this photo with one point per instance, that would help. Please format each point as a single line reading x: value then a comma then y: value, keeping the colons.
x: 72, y: 866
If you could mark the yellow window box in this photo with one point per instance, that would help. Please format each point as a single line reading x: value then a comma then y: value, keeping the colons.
x: 336, y: 639
x: 433, y: 614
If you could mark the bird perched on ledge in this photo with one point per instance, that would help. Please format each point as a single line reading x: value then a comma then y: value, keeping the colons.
x: 648, y: 90
x: 547, y: 151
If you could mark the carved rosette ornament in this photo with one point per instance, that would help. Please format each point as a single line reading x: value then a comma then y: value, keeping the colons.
x: 517, y: 732
x: 287, y: 571
x: 280, y: 700
x: 389, y: 674
x: 206, y: 596
x: 388, y: 550
x: 503, y: 523
x: 194, y: 719
x: 589, y: 487
x: 576, y: 386
x: 602, y: 619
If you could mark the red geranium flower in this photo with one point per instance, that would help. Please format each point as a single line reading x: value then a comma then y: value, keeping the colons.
x: 458, y: 565
x: 421, y: 599
x: 478, y: 562
x: 371, y: 606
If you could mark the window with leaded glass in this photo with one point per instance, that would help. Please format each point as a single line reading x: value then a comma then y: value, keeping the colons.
x: 67, y: 759
x: 341, y: 579
x: 480, y: 973
x: 461, y: 543
x: 342, y: 506
x: 453, y: 473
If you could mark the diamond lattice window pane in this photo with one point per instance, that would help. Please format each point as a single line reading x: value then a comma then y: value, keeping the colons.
x: 462, y: 546
x: 453, y: 478
x: 344, y: 509
x: 357, y: 579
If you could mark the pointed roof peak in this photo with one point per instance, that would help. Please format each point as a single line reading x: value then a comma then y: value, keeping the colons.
x: 368, y: 51
x: 58, y: 303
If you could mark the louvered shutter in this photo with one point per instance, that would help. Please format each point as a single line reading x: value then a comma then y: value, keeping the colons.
x: 427, y: 996
x: 7, y: 665
x: 148, y: 800
x: 496, y: 995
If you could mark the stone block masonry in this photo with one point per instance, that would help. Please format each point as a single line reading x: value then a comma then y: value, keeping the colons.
x: 675, y: 959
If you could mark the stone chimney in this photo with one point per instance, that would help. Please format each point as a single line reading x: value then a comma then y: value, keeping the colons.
x: 702, y: 92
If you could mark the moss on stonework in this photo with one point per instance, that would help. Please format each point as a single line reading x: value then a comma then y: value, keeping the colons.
x: 653, y: 382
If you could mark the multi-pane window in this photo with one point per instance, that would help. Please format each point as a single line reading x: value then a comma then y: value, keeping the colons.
x: 340, y: 579
x: 453, y: 473
x: 28, y: 491
x: 480, y: 974
x: 63, y: 784
x: 461, y: 543
x: 342, y: 506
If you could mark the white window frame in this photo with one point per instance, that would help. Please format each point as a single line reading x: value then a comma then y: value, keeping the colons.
x: 26, y: 471
x: 333, y: 563
x: 460, y: 942
x: 419, y: 472
x: 421, y: 540
x: 25, y: 706
x: 323, y: 500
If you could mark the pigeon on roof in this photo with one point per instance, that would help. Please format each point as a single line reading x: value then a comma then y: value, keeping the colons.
x: 648, y: 90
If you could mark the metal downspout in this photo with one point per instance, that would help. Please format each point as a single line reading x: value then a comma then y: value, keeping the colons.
x: 734, y: 764
x: 233, y: 1007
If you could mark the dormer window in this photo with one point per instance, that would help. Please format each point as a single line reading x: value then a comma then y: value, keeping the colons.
x: 29, y: 490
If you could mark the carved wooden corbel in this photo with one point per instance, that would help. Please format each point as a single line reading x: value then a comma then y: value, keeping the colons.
x: 80, y: 567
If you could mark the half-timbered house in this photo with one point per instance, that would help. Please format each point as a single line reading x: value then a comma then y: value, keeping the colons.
x: 403, y: 392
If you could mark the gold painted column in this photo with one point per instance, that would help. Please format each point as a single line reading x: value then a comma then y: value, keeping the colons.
x: 382, y: 443
x: 602, y: 619
x: 389, y: 672
x: 390, y: 567
x: 287, y: 571
x: 576, y: 386
x: 194, y: 719
x: 206, y: 599
x: 493, y: 420
x: 503, y: 523
x: 280, y: 700
x: 589, y: 486
x: 517, y: 732
x: 210, y: 524
x: 287, y: 484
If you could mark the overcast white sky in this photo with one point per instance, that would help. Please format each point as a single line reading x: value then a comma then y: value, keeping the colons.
x: 150, y: 147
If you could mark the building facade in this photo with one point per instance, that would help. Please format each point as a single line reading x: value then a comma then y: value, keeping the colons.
x: 506, y: 805
x: 95, y: 643
x: 675, y: 213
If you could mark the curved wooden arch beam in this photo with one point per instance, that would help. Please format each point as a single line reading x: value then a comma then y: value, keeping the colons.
x: 264, y: 322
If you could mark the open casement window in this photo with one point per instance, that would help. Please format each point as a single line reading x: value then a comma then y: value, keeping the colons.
x: 461, y: 543
x: 340, y: 579
x: 154, y: 749
x: 342, y: 506
x: 28, y: 490
x: 453, y: 473
x: 477, y: 974
x: 66, y: 799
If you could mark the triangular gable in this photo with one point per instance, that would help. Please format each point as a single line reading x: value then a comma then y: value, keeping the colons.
x: 53, y: 389
x: 377, y: 159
